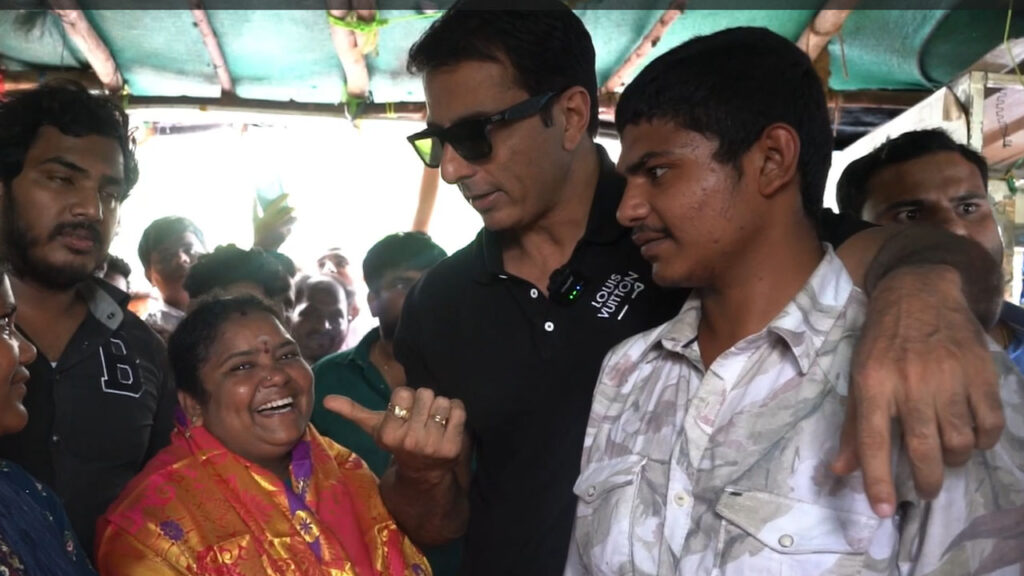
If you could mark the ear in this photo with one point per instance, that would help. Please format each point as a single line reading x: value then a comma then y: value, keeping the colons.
x: 193, y: 411
x: 779, y: 148
x: 574, y: 105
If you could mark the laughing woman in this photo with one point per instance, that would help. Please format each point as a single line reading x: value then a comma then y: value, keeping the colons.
x: 35, y: 535
x: 247, y: 487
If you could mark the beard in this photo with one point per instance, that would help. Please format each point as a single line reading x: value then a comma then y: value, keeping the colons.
x: 18, y: 245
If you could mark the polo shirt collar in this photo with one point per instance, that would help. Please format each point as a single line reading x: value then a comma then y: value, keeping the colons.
x: 803, y: 324
x: 106, y: 302
x: 361, y: 352
x: 602, y: 227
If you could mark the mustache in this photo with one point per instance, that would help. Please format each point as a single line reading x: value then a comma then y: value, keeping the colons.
x: 91, y: 229
x: 645, y: 229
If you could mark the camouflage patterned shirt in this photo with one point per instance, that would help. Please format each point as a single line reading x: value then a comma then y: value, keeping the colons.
x: 690, y: 470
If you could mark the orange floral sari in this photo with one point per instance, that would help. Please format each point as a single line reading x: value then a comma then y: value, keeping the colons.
x: 199, y: 509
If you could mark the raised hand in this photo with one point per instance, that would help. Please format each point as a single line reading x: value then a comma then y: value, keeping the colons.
x: 273, y: 227
x: 424, y: 433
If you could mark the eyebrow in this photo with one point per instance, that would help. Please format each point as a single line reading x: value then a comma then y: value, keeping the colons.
x: 638, y: 166
x: 916, y: 203
x: 105, y: 180
x: 255, y: 351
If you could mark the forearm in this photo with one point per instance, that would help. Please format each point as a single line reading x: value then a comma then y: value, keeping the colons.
x: 430, y: 512
x: 921, y: 246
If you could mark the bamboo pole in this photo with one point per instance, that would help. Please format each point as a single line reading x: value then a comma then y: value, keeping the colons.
x: 77, y: 27
x: 428, y: 196
x: 620, y: 77
x: 348, y: 45
x: 220, y: 66
x: 826, y: 24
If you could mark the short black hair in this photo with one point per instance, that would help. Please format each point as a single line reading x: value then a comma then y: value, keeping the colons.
x: 732, y: 85
x: 852, y: 188
x: 69, y: 107
x: 544, y: 41
x: 189, y: 346
x: 229, y: 264
x: 163, y: 230
x: 118, y: 266
x: 402, y: 251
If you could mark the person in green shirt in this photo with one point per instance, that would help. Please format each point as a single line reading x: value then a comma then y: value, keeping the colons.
x: 369, y: 372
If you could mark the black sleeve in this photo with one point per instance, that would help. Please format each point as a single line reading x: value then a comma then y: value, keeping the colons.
x: 838, y: 228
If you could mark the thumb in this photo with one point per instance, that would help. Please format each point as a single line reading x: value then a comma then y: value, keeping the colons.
x: 367, y: 420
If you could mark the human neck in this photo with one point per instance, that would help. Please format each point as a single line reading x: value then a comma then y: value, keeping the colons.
x: 279, y: 467
x: 382, y: 356
x: 48, y: 316
x: 755, y: 287
x: 176, y: 299
x: 536, y: 251
x: 38, y: 299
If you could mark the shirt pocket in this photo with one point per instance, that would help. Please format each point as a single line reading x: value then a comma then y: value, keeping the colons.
x: 606, y: 494
x: 767, y: 533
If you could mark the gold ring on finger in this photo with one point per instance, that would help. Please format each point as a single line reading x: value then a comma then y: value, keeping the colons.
x: 398, y: 412
x: 442, y: 420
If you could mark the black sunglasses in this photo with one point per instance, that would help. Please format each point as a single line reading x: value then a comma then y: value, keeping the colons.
x: 470, y: 138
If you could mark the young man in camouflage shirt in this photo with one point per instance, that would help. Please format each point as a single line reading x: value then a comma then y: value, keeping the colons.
x: 709, y: 440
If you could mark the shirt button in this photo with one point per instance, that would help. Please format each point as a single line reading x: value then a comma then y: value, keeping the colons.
x: 55, y: 438
x: 591, y: 491
x: 549, y: 326
x: 681, y: 499
x: 533, y: 293
x: 786, y: 541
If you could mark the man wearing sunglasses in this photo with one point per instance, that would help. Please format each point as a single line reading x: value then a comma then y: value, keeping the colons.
x: 502, y: 341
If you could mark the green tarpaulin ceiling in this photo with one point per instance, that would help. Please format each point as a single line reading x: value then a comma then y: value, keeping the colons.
x: 288, y: 55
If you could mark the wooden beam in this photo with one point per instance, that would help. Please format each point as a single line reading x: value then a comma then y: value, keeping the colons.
x: 398, y: 110
x: 1000, y: 59
x: 77, y: 27
x: 619, y: 78
x: 348, y: 44
x: 899, y: 99
x: 826, y: 24
x: 220, y: 66
x: 428, y: 196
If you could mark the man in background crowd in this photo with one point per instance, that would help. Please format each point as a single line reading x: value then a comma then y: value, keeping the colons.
x: 116, y: 271
x: 925, y: 177
x: 168, y: 248
x: 319, y: 322
x: 369, y: 372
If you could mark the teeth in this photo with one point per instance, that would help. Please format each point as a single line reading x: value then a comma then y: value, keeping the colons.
x: 276, y: 404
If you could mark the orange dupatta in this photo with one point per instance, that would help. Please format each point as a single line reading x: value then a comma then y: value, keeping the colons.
x: 199, y: 509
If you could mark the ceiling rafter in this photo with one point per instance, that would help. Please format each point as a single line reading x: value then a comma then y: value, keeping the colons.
x: 824, y: 26
x: 617, y: 81
x: 220, y: 66
x: 348, y: 44
x: 81, y: 32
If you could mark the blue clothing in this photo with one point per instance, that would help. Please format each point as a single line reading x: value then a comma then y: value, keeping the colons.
x: 1013, y: 317
x: 35, y: 535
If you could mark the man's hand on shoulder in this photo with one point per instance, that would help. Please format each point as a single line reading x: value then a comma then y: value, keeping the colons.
x: 923, y: 360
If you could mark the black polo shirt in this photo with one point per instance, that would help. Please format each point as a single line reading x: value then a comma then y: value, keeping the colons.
x: 100, y: 413
x: 526, y: 367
